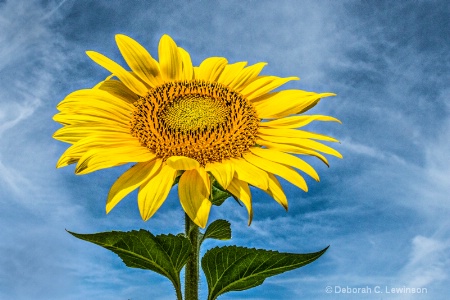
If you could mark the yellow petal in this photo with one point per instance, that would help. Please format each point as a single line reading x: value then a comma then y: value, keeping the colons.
x: 240, y: 190
x: 188, y: 70
x: 139, y: 60
x: 284, y: 103
x: 170, y: 60
x: 263, y: 85
x: 211, y: 68
x: 129, y: 80
x: 97, y: 110
x: 74, y: 133
x: 223, y: 172
x: 153, y: 192
x: 230, y: 71
x: 106, y: 79
x: 194, y: 191
x: 131, y: 180
x: 72, y: 118
x: 108, y: 140
x: 286, y: 159
x: 105, y: 141
x: 281, y: 170
x: 119, y: 90
x: 246, y: 76
x: 319, y: 147
x: 292, y: 133
x: 92, y: 115
x: 249, y: 173
x: 182, y: 163
x: 276, y: 191
x: 303, y: 143
x: 94, y: 98
x: 292, y: 149
x: 297, y: 121
x: 102, y: 158
x: 70, y: 156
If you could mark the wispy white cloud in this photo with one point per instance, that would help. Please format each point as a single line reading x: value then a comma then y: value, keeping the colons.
x: 13, y: 181
x: 347, y: 144
x: 408, y: 253
x: 27, y: 66
x: 428, y: 262
x: 386, y: 219
x: 13, y: 113
x: 53, y: 10
x: 34, y: 245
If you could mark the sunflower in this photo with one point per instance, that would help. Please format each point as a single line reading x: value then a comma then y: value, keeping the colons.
x: 217, y: 122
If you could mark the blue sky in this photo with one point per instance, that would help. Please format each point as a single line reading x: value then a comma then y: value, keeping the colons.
x: 383, y: 209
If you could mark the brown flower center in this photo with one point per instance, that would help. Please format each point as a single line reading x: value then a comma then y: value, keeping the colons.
x: 206, y: 121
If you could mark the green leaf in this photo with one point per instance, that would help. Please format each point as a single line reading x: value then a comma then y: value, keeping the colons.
x: 163, y: 254
x: 178, y: 249
x: 177, y: 179
x: 219, y: 194
x: 219, y: 230
x: 235, y: 268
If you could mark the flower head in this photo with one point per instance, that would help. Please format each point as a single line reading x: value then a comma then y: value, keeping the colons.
x: 217, y: 121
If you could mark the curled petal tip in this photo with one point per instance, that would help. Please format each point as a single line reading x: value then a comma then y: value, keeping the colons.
x: 250, y: 219
x: 166, y: 37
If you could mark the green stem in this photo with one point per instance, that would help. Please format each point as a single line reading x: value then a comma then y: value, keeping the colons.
x: 192, y: 266
x: 179, y: 294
